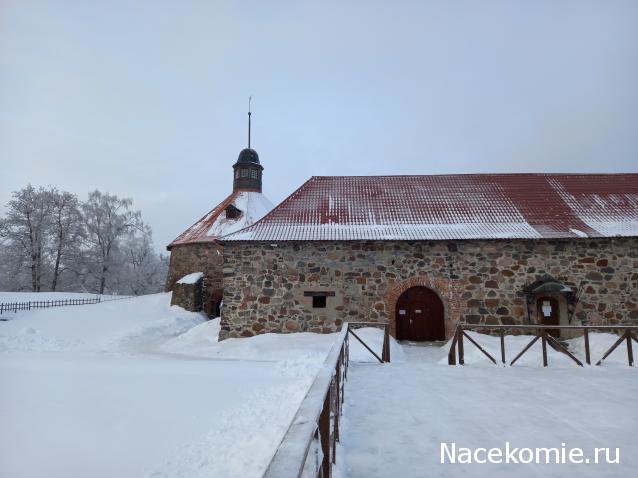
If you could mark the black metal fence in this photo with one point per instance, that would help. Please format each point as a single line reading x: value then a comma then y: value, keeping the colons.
x: 6, y: 307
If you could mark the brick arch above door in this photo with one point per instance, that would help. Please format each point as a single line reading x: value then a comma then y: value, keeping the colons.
x: 446, y: 289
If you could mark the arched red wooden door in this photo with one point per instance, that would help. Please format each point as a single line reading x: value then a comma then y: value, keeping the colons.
x: 420, y: 315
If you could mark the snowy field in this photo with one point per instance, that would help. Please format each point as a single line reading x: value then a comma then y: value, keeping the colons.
x: 397, y: 414
x: 137, y: 388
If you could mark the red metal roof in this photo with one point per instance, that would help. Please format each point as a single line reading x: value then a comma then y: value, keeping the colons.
x: 462, y: 206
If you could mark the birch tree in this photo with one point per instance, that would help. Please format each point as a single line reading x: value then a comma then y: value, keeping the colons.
x: 107, y: 219
x: 49, y: 240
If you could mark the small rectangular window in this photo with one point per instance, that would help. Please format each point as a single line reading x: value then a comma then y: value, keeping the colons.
x: 244, y: 173
x: 253, y: 173
x: 318, y: 301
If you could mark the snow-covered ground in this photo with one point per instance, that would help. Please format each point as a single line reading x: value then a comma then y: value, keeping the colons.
x: 398, y: 414
x: 137, y: 388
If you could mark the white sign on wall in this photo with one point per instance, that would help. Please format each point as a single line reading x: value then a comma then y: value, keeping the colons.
x: 547, y: 308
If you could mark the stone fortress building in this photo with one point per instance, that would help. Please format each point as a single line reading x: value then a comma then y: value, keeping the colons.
x: 418, y: 252
x: 425, y: 252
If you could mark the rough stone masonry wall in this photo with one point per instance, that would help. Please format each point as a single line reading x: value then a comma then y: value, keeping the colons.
x: 203, y: 257
x: 478, y: 281
x: 188, y: 296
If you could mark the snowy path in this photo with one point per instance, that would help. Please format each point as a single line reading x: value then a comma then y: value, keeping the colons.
x: 398, y: 414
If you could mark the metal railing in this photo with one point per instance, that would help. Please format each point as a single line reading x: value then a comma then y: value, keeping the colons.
x: 45, y: 304
x: 309, y: 447
x: 627, y: 334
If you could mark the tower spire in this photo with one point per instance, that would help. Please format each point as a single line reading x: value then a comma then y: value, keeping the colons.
x: 249, y: 99
x: 247, y: 170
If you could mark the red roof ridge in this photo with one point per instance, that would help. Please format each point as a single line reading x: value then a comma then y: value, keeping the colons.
x: 467, y: 174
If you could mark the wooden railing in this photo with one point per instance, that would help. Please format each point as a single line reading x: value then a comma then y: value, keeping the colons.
x: 309, y: 447
x: 627, y: 334
x: 385, y: 349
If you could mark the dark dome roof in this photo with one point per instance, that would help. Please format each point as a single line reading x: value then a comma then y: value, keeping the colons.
x: 248, y: 156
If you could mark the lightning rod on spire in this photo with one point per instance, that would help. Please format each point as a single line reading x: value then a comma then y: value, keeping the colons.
x: 249, y: 99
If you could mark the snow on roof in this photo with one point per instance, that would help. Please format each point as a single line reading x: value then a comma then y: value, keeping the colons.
x: 463, y: 206
x: 252, y: 206
x: 191, y: 278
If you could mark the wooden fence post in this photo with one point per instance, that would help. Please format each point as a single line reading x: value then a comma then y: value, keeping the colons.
x: 324, y: 434
x: 338, y: 403
x: 503, y: 346
x: 544, y: 342
x: 386, y: 344
x: 587, y: 351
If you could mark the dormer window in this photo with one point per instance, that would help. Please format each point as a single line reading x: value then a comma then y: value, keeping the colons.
x: 232, y: 212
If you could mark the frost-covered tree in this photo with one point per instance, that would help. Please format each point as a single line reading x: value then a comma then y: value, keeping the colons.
x: 107, y: 220
x: 66, y: 231
x: 12, y: 263
x: 144, y: 270
x: 26, y: 227
x: 49, y: 240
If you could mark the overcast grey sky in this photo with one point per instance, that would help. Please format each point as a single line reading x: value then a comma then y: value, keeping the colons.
x: 148, y: 99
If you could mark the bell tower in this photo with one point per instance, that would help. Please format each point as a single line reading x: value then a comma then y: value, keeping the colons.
x: 247, y: 171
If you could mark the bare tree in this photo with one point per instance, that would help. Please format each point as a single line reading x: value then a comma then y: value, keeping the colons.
x: 107, y: 219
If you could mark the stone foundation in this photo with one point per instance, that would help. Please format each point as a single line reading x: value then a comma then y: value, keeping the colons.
x: 266, y: 286
x: 202, y: 257
x: 188, y: 296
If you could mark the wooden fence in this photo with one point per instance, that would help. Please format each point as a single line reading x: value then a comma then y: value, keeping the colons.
x: 627, y: 334
x: 309, y: 447
x: 385, y: 349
